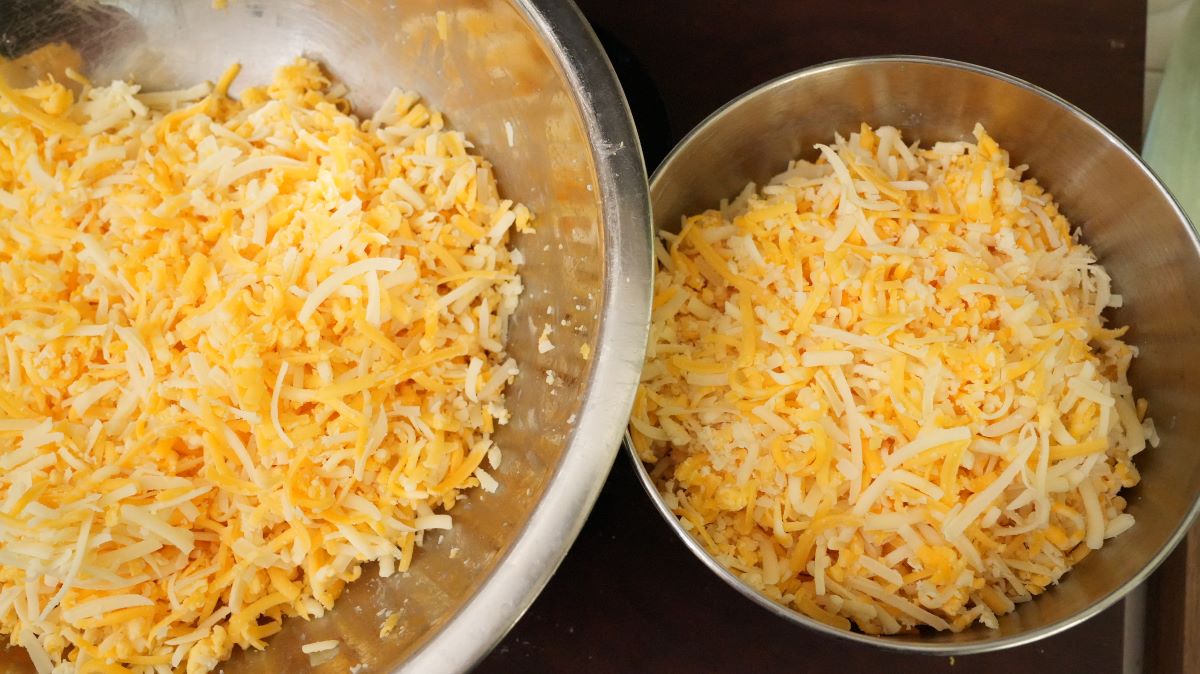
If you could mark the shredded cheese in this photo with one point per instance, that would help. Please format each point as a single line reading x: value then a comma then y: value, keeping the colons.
x: 234, y: 347
x: 319, y: 646
x: 880, y: 388
x: 388, y: 625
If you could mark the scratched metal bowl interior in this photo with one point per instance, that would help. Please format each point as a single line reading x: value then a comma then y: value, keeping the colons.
x: 1140, y: 235
x: 531, y: 68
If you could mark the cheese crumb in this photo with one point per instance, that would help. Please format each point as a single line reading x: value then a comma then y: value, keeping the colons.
x: 544, y: 345
x: 389, y: 624
x: 443, y: 26
x: 319, y: 646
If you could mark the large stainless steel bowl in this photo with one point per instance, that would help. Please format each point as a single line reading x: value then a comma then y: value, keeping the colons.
x: 1125, y: 214
x: 526, y: 69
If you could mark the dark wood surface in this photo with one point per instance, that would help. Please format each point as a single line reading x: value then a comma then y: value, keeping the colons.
x: 629, y: 597
x: 1173, y: 623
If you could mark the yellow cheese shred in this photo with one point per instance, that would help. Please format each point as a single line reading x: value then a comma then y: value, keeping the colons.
x: 229, y: 376
x: 880, y: 390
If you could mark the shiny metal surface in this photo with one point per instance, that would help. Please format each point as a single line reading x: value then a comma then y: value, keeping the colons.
x: 1126, y: 215
x: 573, y: 158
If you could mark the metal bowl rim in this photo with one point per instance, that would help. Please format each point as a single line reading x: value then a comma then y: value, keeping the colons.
x: 885, y: 642
x: 517, y: 578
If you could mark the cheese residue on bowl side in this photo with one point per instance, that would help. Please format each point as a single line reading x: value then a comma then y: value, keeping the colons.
x: 881, y: 391
x: 246, y: 346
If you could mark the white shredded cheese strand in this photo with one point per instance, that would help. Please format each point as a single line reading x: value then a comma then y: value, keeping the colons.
x: 319, y: 646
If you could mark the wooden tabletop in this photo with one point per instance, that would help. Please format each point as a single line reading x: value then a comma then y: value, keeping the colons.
x: 629, y: 597
x: 1173, y: 621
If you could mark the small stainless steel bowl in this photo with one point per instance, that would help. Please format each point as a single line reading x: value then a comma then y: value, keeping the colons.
x: 529, y: 85
x: 1126, y: 215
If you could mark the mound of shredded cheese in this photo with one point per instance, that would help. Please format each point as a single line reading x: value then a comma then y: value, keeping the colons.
x: 245, y: 347
x: 880, y: 390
